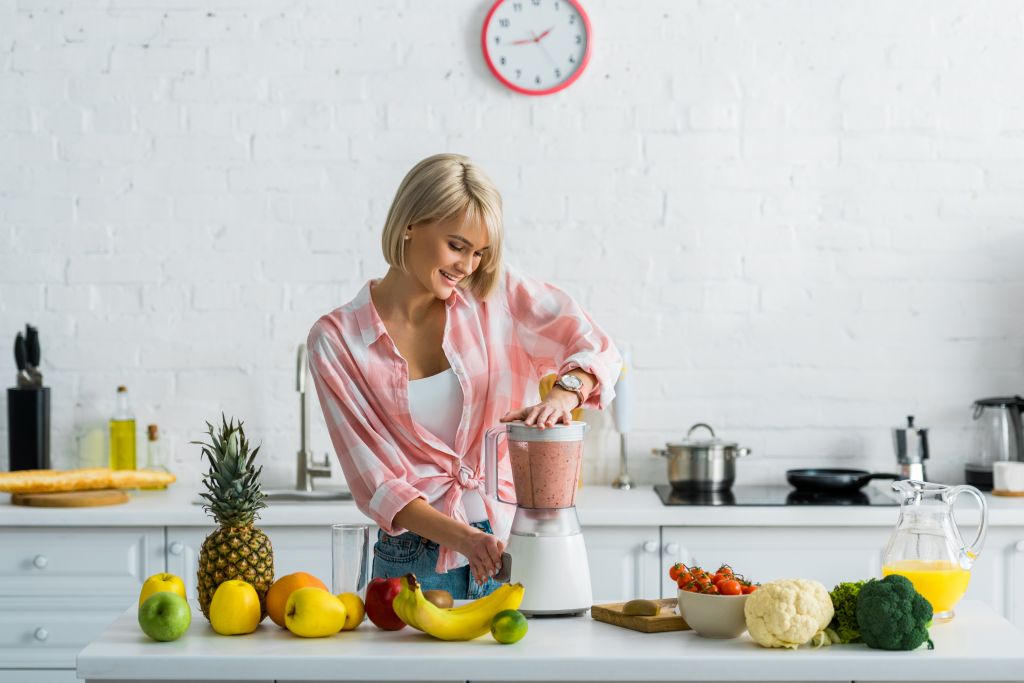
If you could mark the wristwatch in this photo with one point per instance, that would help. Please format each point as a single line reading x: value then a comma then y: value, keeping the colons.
x: 572, y: 383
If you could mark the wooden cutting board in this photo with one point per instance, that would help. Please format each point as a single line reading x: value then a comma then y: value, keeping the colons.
x: 71, y: 499
x: 666, y: 620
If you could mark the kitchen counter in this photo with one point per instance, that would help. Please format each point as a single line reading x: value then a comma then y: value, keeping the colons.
x: 597, y: 506
x: 977, y: 645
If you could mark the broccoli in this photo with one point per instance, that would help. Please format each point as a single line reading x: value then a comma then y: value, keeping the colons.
x: 844, y: 600
x: 892, y: 615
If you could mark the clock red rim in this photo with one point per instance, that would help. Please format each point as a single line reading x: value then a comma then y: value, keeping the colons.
x: 524, y: 91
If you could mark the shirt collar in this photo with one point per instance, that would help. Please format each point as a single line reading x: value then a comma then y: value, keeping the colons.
x: 371, y: 327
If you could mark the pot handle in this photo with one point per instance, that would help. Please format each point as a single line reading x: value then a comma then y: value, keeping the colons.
x: 659, y: 451
x: 741, y: 452
x: 700, y: 424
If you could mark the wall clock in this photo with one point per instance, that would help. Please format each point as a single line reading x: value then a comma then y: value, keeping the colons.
x: 536, y: 47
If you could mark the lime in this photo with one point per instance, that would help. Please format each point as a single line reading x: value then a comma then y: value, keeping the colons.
x: 508, y: 626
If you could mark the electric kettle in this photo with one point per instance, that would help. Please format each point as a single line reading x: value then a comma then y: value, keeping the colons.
x: 998, y: 436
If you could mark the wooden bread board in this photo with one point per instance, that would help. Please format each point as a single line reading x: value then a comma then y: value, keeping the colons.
x: 667, y: 618
x: 1010, y: 494
x: 71, y: 499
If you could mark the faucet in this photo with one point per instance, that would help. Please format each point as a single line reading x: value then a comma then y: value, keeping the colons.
x: 308, y: 467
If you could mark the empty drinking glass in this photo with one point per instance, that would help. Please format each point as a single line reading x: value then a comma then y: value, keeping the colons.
x: 349, y: 546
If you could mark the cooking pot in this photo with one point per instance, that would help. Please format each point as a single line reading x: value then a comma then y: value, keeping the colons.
x: 695, y: 465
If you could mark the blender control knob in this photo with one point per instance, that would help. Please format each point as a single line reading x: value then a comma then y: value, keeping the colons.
x: 650, y: 546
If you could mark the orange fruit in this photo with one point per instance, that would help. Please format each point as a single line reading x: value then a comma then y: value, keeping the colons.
x: 277, y: 596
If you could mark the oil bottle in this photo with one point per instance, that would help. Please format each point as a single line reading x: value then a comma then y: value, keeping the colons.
x: 122, y: 434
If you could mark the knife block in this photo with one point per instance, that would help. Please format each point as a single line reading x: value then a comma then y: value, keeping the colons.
x: 28, y: 428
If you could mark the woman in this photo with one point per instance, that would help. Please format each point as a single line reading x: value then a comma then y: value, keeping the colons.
x: 414, y: 370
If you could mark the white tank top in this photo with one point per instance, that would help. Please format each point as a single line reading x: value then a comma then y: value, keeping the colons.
x: 436, y: 405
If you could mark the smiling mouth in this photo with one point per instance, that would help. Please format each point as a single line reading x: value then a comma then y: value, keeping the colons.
x: 450, y: 278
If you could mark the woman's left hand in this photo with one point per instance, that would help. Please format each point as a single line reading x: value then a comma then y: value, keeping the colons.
x: 556, y: 408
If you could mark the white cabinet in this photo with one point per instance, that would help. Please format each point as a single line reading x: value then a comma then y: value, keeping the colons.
x: 60, y: 587
x: 624, y: 562
x: 830, y: 555
x: 301, y: 548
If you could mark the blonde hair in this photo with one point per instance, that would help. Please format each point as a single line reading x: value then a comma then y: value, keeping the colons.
x: 442, y: 187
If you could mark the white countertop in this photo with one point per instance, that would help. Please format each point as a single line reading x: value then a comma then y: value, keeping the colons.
x: 977, y: 645
x: 597, y: 506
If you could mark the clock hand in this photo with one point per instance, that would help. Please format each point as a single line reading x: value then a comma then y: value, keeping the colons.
x: 523, y: 42
x: 538, y: 38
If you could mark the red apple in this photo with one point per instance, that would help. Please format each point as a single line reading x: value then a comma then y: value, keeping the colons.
x: 380, y: 593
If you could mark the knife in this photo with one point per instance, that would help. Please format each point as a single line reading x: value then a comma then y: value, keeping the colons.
x: 32, y: 355
x: 23, y: 381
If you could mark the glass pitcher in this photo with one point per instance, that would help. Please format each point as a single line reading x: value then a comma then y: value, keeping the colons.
x: 546, y: 463
x: 926, y: 546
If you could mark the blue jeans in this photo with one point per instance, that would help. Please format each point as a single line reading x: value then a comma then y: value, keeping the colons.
x: 411, y: 553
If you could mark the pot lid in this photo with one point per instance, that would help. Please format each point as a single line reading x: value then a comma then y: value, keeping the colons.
x: 1000, y: 402
x: 713, y: 442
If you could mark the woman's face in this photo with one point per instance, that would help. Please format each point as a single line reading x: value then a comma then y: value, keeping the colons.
x: 443, y: 253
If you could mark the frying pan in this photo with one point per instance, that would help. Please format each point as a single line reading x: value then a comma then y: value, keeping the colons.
x: 833, y: 479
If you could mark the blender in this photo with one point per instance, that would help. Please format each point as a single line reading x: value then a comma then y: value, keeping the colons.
x: 545, y: 544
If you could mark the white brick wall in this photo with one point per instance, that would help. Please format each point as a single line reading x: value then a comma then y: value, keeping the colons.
x: 805, y: 219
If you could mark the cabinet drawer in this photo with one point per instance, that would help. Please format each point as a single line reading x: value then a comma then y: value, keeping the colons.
x: 70, y: 561
x: 51, y: 634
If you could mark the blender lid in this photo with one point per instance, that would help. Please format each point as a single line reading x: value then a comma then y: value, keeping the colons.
x: 520, y: 431
x: 1000, y: 402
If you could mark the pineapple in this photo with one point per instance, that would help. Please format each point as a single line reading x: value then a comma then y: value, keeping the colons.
x: 237, y: 549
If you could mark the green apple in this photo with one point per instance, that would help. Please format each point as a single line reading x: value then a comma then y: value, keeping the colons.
x: 165, y: 616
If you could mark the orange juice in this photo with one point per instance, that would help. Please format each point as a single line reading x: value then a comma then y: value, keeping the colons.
x: 942, y: 583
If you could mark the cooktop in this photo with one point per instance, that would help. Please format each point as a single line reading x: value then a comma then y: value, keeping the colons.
x: 773, y: 495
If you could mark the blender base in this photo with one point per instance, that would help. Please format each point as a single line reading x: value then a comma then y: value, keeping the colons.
x: 554, y: 572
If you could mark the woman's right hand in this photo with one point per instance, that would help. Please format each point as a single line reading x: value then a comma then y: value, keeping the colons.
x: 483, y: 550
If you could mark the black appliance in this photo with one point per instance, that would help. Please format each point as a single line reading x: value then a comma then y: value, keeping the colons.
x: 773, y: 496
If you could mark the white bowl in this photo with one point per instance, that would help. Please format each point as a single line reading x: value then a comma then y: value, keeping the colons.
x: 714, y: 616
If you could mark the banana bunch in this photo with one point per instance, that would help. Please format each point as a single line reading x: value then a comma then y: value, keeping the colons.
x: 464, y: 622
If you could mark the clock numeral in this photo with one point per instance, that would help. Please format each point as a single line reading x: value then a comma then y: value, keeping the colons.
x: 579, y: 39
x: 572, y: 60
x: 536, y: 3
x: 504, y: 23
x: 558, y: 73
x: 557, y: 5
x: 536, y: 79
x: 572, y: 19
x: 501, y: 60
x: 519, y: 72
x: 517, y: 7
x: 497, y: 40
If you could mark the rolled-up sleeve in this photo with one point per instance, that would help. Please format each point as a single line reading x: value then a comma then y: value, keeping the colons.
x: 559, y: 336
x: 373, y: 469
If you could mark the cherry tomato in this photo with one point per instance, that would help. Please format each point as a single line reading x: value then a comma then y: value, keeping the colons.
x: 725, y: 570
x: 730, y: 587
x: 674, y: 571
x: 685, y: 578
x: 749, y: 588
x: 710, y: 590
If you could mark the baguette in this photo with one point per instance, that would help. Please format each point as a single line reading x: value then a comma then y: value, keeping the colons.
x: 90, y: 479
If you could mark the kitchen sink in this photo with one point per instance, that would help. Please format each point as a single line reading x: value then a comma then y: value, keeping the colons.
x: 297, y: 496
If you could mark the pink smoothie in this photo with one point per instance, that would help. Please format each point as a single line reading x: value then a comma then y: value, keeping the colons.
x: 545, y: 473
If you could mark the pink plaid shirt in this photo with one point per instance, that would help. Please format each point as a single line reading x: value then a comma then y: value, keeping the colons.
x: 499, y: 349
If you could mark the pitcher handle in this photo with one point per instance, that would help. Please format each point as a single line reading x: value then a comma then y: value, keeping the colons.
x: 968, y: 554
x: 491, y: 462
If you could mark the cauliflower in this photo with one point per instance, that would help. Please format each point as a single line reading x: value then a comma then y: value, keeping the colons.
x: 788, y: 613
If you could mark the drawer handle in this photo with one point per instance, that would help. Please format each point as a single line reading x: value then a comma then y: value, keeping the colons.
x: 40, y: 561
x: 650, y: 546
x: 42, y: 634
x: 176, y: 548
x: 672, y: 548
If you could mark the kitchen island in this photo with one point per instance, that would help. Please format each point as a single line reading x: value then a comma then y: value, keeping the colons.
x: 978, y: 645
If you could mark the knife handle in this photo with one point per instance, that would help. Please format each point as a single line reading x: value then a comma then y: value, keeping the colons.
x: 19, y: 352
x: 32, y: 345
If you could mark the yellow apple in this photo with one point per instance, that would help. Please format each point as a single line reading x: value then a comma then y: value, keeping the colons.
x: 235, y: 608
x: 354, y: 610
x: 161, y: 582
x: 314, y: 613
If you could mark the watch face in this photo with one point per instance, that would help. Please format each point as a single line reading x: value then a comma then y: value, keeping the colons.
x: 571, y: 381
